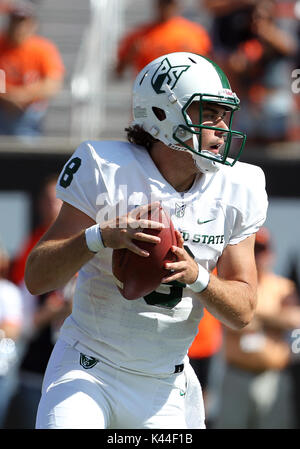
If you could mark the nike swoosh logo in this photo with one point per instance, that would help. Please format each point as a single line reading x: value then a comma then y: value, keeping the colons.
x: 206, y: 221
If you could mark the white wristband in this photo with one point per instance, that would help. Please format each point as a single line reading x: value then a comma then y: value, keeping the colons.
x: 202, y: 280
x: 93, y: 238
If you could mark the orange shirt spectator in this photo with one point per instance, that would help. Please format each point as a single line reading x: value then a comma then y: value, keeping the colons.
x: 151, y: 41
x: 33, y: 72
x: 36, y: 59
x: 205, y: 346
x: 18, y: 265
x: 208, y: 341
x: 48, y: 207
x: 168, y: 33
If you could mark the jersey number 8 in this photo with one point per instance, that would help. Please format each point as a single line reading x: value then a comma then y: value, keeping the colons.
x: 69, y: 171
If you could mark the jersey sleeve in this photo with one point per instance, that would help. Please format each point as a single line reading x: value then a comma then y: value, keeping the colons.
x: 78, y: 182
x: 252, y: 208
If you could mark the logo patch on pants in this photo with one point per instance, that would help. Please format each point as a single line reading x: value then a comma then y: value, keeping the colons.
x: 87, y: 362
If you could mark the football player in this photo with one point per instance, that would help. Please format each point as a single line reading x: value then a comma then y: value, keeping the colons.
x: 124, y: 364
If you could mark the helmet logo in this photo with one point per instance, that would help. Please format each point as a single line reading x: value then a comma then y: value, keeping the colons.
x: 167, y: 75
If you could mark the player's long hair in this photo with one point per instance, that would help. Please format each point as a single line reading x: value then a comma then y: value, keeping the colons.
x: 138, y: 136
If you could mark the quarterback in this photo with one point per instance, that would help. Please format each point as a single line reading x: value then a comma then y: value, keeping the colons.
x: 123, y: 364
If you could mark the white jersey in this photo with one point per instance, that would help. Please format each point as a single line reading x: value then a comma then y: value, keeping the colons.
x: 219, y: 209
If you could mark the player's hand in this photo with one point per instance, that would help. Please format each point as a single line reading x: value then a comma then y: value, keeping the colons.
x: 120, y: 232
x: 185, y: 269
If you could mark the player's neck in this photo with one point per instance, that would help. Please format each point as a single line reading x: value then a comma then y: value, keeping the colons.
x: 177, y: 167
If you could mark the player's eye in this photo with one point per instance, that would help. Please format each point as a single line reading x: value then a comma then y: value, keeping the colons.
x: 208, y: 116
x: 214, y: 116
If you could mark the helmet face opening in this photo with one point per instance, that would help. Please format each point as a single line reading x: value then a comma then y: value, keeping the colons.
x: 165, y: 89
x: 193, y: 130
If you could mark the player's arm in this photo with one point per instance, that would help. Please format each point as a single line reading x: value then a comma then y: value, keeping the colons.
x: 63, y: 249
x: 230, y: 296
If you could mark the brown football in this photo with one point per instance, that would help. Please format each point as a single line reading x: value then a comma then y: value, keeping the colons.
x: 137, y: 276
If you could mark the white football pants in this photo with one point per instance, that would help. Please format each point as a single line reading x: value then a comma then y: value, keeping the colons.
x: 98, y: 396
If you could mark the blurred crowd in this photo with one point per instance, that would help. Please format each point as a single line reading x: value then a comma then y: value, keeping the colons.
x: 34, y: 71
x: 255, y: 41
x: 249, y: 377
x: 29, y: 324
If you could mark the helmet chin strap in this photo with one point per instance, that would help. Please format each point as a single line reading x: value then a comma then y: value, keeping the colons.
x: 203, y: 164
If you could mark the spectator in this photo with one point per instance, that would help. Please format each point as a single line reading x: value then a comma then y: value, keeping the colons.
x: 291, y: 15
x: 202, y: 353
x: 33, y: 74
x: 256, y: 391
x: 168, y: 32
x: 250, y: 42
x: 49, y: 313
x: 204, y: 350
x: 294, y: 337
x: 11, y: 315
x: 48, y: 207
x: 44, y: 316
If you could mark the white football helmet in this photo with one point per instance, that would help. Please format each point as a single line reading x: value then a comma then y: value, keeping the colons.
x: 164, y: 90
